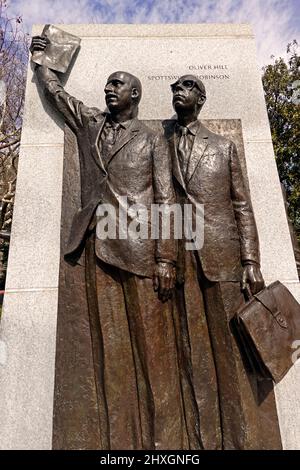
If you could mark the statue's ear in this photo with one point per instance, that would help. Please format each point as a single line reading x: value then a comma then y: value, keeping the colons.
x: 201, y: 100
x: 135, y: 93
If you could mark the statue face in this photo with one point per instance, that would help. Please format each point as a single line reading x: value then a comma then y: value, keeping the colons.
x: 186, y: 94
x: 119, y: 92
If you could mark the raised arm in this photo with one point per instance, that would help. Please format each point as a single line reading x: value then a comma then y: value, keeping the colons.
x: 73, y: 110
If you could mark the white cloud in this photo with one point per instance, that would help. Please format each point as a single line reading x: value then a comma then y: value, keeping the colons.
x: 272, y: 20
x: 52, y: 11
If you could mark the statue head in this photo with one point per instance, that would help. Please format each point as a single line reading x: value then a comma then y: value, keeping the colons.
x: 123, y: 91
x: 189, y: 95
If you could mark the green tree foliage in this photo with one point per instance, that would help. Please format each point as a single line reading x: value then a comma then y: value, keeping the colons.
x: 281, y: 82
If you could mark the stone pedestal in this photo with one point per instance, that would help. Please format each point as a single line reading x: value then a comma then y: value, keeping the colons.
x: 224, y: 56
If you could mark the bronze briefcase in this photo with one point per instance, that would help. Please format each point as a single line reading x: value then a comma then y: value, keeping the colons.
x: 268, y: 325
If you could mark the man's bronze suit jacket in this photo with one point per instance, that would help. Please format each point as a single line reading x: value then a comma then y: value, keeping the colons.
x: 139, y: 167
x: 214, y: 178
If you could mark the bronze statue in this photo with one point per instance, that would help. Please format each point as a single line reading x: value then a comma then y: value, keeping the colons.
x: 167, y: 373
x: 136, y: 370
x: 206, y: 169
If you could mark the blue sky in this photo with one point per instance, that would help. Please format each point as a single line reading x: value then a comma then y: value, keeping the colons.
x: 275, y: 22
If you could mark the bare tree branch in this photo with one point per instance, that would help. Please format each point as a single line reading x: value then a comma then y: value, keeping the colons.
x: 14, y: 47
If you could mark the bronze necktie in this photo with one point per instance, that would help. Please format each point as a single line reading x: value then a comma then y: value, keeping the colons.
x: 183, y: 149
x: 108, y: 139
x: 183, y: 157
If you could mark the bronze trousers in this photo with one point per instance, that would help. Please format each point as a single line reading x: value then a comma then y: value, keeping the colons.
x: 235, y: 410
x: 136, y: 365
